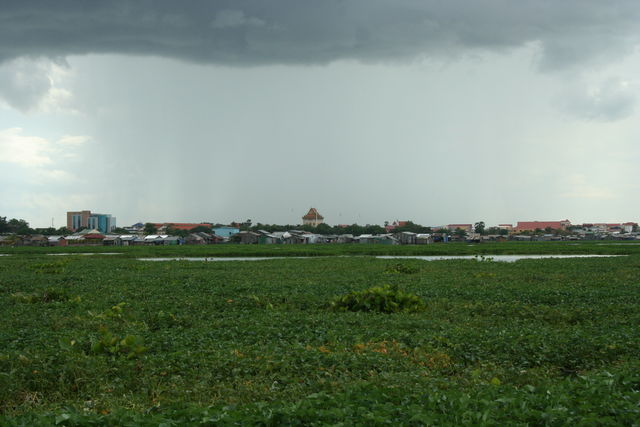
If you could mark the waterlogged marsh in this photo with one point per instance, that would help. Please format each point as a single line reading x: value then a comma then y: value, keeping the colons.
x: 231, y: 250
x: 498, y: 342
x: 497, y: 258
x: 489, y: 257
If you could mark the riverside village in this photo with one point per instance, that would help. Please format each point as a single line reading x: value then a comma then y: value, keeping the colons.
x: 89, y: 228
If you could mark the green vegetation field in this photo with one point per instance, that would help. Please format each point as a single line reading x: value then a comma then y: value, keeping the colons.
x: 113, y: 340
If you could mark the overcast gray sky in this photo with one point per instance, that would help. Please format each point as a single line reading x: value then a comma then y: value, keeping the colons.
x: 369, y: 110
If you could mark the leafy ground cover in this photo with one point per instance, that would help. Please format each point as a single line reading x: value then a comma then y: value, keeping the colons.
x: 237, y: 250
x: 112, y: 340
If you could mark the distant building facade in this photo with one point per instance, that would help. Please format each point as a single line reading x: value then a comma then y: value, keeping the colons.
x: 312, y: 218
x: 226, y: 231
x: 466, y: 227
x: 542, y: 225
x: 105, y: 223
x: 626, y: 227
x: 162, y: 227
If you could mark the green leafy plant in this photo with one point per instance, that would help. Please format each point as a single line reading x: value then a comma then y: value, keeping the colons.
x: 130, y: 346
x: 261, y: 302
x: 118, y: 311
x: 382, y: 299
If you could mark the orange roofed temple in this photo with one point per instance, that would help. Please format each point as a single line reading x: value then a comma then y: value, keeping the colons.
x: 312, y: 218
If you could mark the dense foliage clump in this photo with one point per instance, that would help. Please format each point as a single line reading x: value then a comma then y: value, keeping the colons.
x: 402, y: 269
x: 381, y: 299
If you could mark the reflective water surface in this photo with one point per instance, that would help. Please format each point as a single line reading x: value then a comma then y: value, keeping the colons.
x: 500, y: 258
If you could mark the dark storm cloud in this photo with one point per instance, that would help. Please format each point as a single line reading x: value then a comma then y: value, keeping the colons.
x: 23, y: 84
x: 248, y: 32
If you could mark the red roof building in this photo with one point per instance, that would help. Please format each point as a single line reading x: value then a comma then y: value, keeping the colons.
x: 312, y: 218
x: 542, y: 225
x: 395, y: 224
x: 465, y: 227
x: 180, y: 225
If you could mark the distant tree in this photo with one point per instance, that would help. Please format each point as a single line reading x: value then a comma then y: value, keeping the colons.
x: 459, y: 232
x: 4, y: 225
x: 201, y: 229
x: 307, y: 227
x: 353, y: 229
x: 374, y: 229
x: 63, y: 231
x: 119, y: 230
x: 175, y: 232
x: 497, y: 230
x: 478, y: 227
x: 492, y: 230
x: 149, y: 228
x: 19, y: 226
x: 49, y: 231
x: 413, y: 228
x: 323, y: 229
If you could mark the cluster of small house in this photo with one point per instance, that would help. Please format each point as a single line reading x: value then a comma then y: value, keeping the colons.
x: 305, y: 237
x: 93, y: 237
x: 522, y: 231
x: 97, y: 239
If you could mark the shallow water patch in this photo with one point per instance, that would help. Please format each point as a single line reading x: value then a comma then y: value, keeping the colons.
x: 86, y: 253
x: 216, y: 258
x: 499, y: 258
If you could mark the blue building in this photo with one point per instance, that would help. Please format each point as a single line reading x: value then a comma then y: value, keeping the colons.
x: 225, y: 231
x: 105, y: 223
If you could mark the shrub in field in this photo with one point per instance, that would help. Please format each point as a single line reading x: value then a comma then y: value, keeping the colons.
x: 164, y: 320
x: 382, y: 299
x: 130, y: 346
x: 401, y: 268
x: 119, y: 311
